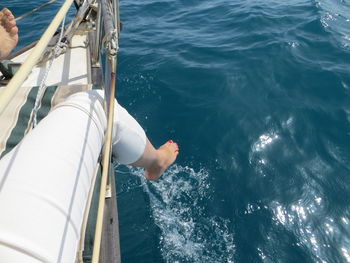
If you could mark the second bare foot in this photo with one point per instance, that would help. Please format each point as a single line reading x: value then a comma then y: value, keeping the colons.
x: 8, y: 32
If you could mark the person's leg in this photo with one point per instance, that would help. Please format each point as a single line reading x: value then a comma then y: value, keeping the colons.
x: 132, y: 147
x: 51, y: 171
x: 46, y: 179
x: 8, y: 32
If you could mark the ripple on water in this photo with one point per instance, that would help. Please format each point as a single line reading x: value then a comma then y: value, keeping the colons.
x: 312, y: 221
x: 334, y: 17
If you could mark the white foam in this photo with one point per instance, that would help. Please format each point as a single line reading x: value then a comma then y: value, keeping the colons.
x: 188, y: 233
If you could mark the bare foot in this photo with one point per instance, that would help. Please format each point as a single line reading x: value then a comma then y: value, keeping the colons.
x: 8, y: 32
x: 167, y: 154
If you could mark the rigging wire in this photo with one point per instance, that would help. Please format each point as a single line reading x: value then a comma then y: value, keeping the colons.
x: 35, y: 10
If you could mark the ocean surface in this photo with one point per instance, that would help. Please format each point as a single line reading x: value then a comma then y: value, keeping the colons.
x: 257, y: 95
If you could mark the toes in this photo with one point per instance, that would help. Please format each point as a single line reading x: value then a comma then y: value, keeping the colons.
x: 14, y: 31
x: 8, y: 23
x: 172, y: 145
x: 6, y: 12
x: 11, y: 25
x: 5, y: 16
x: 11, y: 22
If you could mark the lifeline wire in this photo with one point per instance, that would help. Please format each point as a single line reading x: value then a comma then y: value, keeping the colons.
x: 35, y: 10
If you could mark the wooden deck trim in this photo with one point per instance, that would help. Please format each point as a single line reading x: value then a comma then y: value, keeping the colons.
x: 110, y: 246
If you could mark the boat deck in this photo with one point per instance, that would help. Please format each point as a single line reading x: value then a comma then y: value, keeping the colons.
x: 70, y: 68
x: 69, y: 73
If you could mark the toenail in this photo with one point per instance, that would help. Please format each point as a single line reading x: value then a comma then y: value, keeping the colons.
x: 171, y: 141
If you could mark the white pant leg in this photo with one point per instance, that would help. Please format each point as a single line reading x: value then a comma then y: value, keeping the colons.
x: 44, y: 184
x: 44, y: 181
x: 129, y: 139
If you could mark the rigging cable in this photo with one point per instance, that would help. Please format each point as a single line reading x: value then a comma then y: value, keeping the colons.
x: 35, y: 10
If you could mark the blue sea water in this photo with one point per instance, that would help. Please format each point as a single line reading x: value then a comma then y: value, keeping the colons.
x: 257, y: 95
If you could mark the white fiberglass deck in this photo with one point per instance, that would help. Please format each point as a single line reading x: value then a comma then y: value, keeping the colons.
x: 70, y: 68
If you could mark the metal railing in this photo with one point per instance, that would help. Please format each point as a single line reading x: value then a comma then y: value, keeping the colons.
x: 111, y: 32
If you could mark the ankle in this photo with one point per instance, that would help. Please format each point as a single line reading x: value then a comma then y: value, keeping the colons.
x: 158, y: 161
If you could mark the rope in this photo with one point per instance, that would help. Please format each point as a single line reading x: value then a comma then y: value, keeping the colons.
x: 35, y: 10
x: 110, y: 27
x: 56, y: 50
